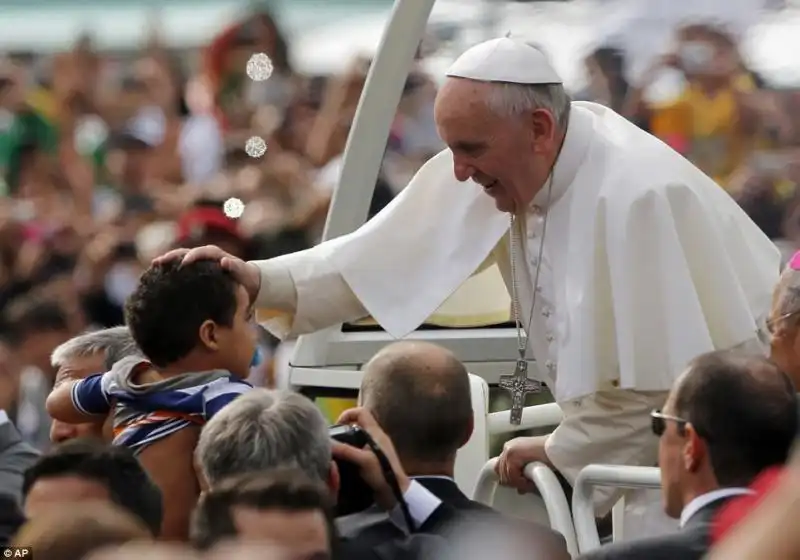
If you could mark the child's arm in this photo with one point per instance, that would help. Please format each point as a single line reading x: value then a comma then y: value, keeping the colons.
x: 220, y: 394
x: 77, y: 401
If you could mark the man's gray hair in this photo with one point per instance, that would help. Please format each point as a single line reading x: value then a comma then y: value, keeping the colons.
x: 115, y: 343
x: 787, y: 292
x: 512, y: 100
x: 265, y: 429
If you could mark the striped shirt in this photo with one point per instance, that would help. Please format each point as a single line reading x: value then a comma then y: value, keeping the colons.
x: 144, y: 414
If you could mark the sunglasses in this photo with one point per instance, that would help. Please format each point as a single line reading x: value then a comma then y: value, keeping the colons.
x: 658, y: 423
x: 772, y: 323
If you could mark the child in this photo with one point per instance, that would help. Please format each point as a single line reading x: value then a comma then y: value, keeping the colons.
x: 195, y: 325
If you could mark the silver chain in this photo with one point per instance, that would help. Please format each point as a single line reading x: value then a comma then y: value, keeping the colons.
x: 523, y: 339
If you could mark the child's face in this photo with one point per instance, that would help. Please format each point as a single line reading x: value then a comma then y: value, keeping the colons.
x: 238, y: 343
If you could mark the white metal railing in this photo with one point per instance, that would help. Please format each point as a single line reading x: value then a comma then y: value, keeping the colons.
x: 538, y: 416
x: 603, y: 475
x: 474, y: 454
x: 549, y: 488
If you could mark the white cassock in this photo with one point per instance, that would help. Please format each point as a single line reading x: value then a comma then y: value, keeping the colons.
x: 646, y: 264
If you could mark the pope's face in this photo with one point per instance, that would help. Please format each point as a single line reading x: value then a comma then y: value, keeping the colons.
x: 508, y: 156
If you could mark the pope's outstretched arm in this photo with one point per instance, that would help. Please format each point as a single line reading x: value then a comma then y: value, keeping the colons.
x: 397, y: 268
x: 303, y: 292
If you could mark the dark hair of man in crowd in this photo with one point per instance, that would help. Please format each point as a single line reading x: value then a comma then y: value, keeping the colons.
x: 31, y: 315
x: 116, y: 468
x: 280, y: 489
x: 419, y: 393
x: 172, y: 301
x: 65, y: 533
x: 744, y: 408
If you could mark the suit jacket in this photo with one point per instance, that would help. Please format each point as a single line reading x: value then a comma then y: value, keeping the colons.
x: 395, y: 544
x: 373, y: 528
x: 691, y: 542
x: 15, y: 458
x: 11, y: 519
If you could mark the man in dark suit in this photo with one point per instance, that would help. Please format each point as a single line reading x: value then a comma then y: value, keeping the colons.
x: 728, y: 417
x: 16, y: 456
x: 419, y: 393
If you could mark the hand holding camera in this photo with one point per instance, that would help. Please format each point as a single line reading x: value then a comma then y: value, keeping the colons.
x: 371, y: 469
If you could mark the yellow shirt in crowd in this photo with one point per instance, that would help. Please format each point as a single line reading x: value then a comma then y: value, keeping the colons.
x: 705, y: 129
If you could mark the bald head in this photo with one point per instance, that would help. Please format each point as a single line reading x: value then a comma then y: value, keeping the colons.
x: 420, y: 395
x: 422, y: 356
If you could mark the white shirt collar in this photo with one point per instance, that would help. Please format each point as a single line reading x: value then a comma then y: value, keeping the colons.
x: 576, y: 143
x: 704, y: 499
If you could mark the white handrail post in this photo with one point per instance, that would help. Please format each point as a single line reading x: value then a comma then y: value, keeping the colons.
x: 549, y: 488
x: 603, y: 475
x: 618, y: 520
x: 555, y: 502
x: 366, y: 142
x: 486, y: 485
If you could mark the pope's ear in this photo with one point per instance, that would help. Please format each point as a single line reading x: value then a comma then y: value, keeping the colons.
x: 543, y: 126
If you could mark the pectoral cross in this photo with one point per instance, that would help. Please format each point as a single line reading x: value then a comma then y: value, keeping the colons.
x: 519, y: 385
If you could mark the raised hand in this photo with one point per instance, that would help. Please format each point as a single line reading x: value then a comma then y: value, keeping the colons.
x: 247, y: 274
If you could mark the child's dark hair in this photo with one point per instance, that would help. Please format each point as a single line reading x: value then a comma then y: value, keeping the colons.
x: 166, y: 310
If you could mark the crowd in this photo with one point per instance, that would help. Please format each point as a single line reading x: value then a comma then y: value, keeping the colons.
x: 176, y: 447
x: 108, y: 161
x: 189, y: 445
x: 197, y: 455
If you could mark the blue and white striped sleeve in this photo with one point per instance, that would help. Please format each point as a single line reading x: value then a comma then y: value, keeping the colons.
x: 89, y: 395
x: 220, y: 393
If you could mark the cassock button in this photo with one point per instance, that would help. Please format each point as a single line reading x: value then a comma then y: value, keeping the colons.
x: 538, y: 289
x: 535, y: 261
x: 615, y: 383
x: 550, y: 337
x: 547, y: 312
x: 550, y: 365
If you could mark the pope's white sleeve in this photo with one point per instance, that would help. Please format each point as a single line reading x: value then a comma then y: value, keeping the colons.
x: 303, y: 292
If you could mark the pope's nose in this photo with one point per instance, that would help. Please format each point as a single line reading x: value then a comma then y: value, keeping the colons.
x: 463, y: 171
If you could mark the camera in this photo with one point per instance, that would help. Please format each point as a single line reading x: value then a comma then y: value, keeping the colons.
x: 355, y: 495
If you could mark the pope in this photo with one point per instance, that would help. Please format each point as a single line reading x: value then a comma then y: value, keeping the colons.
x: 623, y: 260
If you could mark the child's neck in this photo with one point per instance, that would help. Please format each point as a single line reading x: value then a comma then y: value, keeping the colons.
x: 192, y: 363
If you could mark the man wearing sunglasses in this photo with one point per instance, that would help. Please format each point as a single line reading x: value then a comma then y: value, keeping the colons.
x: 728, y: 417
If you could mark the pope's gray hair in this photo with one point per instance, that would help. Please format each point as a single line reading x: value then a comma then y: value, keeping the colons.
x: 512, y: 100
x: 265, y: 429
x: 114, y: 343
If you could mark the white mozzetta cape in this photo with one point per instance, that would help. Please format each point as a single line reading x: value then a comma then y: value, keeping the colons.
x: 652, y: 262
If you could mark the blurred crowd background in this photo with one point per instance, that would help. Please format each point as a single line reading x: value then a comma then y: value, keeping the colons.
x: 123, y: 128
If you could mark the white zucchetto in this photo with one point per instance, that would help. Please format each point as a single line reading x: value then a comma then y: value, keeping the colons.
x: 504, y: 60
